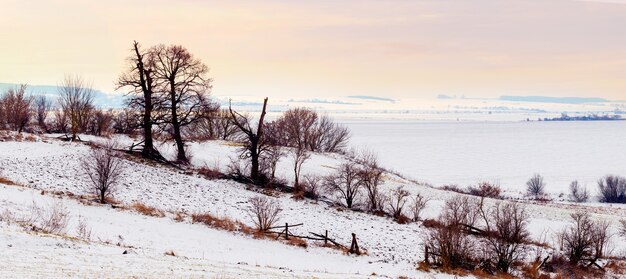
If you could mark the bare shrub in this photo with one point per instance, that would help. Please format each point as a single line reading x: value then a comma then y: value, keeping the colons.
x: 82, y: 229
x: 577, y: 192
x: 460, y: 210
x: 397, y: 201
x: 585, y: 241
x: 16, y: 107
x: 312, y: 186
x: 535, y: 186
x: 43, y: 106
x: 100, y: 123
x: 506, y: 234
x: 264, y: 212
x: 104, y: 170
x: 448, y: 246
x: 52, y: 219
x: 371, y: 176
x: 418, y: 205
x: 612, y: 189
x: 485, y: 189
x: 345, y: 183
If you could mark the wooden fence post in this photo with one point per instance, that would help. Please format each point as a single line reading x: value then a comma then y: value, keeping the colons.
x: 326, y: 237
x: 286, y: 231
x: 354, y: 247
x: 426, y: 254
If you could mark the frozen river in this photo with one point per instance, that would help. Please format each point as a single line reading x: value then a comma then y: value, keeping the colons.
x: 509, y: 153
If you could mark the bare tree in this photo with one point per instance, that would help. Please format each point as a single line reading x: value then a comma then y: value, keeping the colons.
x: 312, y: 186
x: 535, y: 186
x: 612, y: 189
x: 184, y: 85
x: 371, y: 175
x: 305, y: 128
x: 448, y: 245
x: 104, y: 169
x: 139, y: 79
x: 101, y: 122
x: 60, y: 121
x: 300, y: 155
x: 255, y: 143
x: 397, y: 201
x: 76, y: 100
x: 17, y: 108
x: 264, y: 212
x: 418, y: 205
x: 585, y: 240
x: 329, y: 136
x: 506, y: 234
x: 43, y: 106
x: 578, y: 193
x: 345, y: 182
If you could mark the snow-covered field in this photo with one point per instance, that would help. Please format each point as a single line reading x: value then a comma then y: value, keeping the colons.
x: 508, y: 153
x: 49, y: 165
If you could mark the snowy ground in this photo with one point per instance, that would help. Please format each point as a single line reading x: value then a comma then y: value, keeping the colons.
x: 50, y: 165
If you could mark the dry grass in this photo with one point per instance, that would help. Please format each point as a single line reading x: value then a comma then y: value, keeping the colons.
x: 170, y: 253
x: 210, y: 174
x: 224, y: 223
x: 6, y: 181
x: 298, y: 242
x: 147, y: 210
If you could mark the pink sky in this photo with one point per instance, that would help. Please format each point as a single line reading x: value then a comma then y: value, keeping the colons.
x: 298, y: 49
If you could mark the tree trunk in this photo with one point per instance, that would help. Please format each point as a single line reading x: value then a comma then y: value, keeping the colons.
x: 180, y: 145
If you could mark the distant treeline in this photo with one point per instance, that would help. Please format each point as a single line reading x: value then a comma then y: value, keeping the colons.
x: 589, y: 117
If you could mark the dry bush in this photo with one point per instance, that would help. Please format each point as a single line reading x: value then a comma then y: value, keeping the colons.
x: 485, y: 189
x: 210, y: 173
x: 147, y: 210
x: 577, y: 192
x: 418, y: 205
x: 397, y: 201
x: 535, y: 186
x: 460, y: 210
x: 371, y: 176
x: 506, y: 234
x: 264, y: 212
x: 300, y: 155
x: 104, y: 169
x: 449, y: 247
x: 345, y: 183
x: 6, y: 181
x: 43, y: 105
x: 100, y: 123
x: 612, y: 189
x: 16, y: 107
x: 312, y: 186
x: 82, y: 229
x: 170, y: 253
x: 52, y: 219
x: 586, y: 240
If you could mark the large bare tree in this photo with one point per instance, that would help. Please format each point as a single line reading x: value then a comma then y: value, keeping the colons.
x: 139, y: 79
x: 184, y: 88
x: 76, y: 100
x: 255, y: 142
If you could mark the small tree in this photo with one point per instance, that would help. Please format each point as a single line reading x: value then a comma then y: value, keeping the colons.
x: 312, y: 186
x: 104, y: 169
x: 264, y: 212
x: 585, y: 240
x: 300, y: 155
x: 397, y: 202
x: 578, y: 193
x: 345, y: 182
x: 506, y: 234
x: 535, y: 186
x: 371, y: 176
x: 418, y: 205
x: 76, y: 100
x: 17, y: 108
x: 43, y: 106
x: 255, y: 143
x: 612, y: 189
